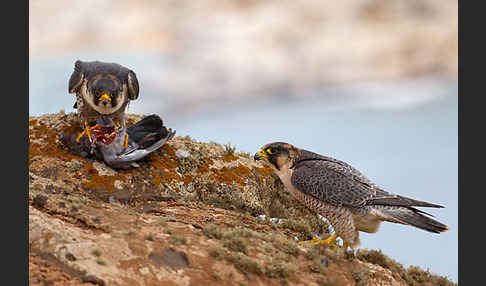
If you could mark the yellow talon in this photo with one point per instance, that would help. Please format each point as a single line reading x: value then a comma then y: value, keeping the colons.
x: 330, y: 241
x: 80, y: 136
x: 86, y: 130
x: 126, y: 140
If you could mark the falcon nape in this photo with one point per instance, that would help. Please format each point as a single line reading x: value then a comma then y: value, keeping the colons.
x: 341, y: 194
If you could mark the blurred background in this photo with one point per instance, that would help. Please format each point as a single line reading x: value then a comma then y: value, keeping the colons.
x: 373, y: 83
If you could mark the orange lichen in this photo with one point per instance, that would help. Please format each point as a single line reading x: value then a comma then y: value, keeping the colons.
x: 264, y: 172
x: 32, y: 122
x: 49, y: 147
x: 164, y: 176
x: 165, y: 158
x: 229, y: 158
x: 187, y: 179
x: 231, y: 175
x: 165, y: 163
x: 204, y: 167
x: 96, y: 181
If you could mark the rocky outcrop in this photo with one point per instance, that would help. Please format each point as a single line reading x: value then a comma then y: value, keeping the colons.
x: 194, y: 213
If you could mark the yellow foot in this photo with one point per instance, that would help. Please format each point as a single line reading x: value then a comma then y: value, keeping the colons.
x: 330, y: 241
x: 126, y: 141
x: 80, y: 136
x: 86, y: 131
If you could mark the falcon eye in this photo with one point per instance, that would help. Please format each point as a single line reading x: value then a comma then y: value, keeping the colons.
x: 271, y: 151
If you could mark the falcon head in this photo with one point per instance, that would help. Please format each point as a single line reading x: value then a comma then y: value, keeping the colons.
x: 106, y: 87
x: 278, y: 154
x: 105, y: 93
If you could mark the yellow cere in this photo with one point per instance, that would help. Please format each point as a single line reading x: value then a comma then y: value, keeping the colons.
x: 262, y: 153
x: 106, y: 96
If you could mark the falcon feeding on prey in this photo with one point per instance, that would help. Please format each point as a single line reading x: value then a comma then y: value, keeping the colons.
x: 341, y: 194
x: 102, y: 89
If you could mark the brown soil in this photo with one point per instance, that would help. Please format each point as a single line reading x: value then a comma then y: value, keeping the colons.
x: 179, y: 221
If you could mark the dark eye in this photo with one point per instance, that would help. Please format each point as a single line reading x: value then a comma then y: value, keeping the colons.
x: 271, y: 151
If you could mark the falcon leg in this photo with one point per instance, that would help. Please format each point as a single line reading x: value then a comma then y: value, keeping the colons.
x: 80, y: 136
x: 330, y: 241
x: 126, y: 141
x: 86, y: 131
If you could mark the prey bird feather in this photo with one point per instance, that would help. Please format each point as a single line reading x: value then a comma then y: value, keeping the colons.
x: 133, y: 143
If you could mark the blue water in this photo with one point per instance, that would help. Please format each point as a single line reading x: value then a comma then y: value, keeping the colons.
x: 402, y: 135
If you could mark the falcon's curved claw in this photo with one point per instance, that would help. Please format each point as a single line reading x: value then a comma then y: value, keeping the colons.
x: 330, y: 241
x: 87, y: 131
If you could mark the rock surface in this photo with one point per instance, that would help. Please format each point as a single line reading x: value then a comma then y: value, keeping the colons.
x: 200, y: 219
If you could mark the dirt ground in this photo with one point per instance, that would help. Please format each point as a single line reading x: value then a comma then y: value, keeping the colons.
x: 214, y: 217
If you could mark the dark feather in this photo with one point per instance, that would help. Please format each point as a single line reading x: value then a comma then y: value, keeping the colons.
x: 414, y: 217
x: 133, y: 87
x: 396, y: 200
x: 147, y: 131
x: 76, y: 77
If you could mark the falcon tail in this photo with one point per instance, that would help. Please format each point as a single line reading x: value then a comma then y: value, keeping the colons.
x: 396, y: 200
x: 411, y: 216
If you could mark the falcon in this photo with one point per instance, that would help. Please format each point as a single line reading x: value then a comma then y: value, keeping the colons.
x: 343, y: 195
x: 102, y: 89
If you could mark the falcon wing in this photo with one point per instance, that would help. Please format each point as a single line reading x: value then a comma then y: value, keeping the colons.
x: 133, y: 88
x: 330, y: 182
x: 76, y: 77
x: 338, y: 183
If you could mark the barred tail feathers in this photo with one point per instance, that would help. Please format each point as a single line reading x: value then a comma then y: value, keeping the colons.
x: 410, y: 216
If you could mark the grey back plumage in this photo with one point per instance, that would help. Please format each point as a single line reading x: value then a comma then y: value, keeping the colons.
x: 330, y: 182
x: 338, y: 183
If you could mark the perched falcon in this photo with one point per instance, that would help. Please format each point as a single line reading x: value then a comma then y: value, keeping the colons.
x: 341, y: 194
x: 102, y: 89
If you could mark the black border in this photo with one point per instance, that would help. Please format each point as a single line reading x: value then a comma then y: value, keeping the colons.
x: 15, y: 141
x: 470, y: 203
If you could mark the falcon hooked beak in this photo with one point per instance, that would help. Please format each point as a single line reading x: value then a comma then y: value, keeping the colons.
x: 259, y: 155
x: 105, y: 99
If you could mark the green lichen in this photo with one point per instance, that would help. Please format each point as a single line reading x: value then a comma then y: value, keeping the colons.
x: 235, y: 243
x: 96, y: 252
x: 245, y: 264
x: 277, y: 268
x: 217, y: 251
